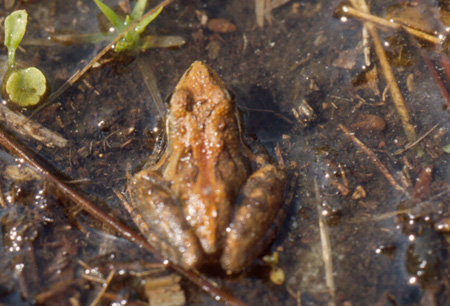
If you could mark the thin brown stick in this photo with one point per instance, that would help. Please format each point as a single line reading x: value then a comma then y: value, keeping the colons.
x: 57, y: 288
x: 410, y: 145
x: 2, y: 200
x: 104, y: 288
x: 373, y: 158
x: 386, y: 68
x: 259, y: 12
x: 432, y: 68
x: 97, y: 213
x: 28, y: 128
x: 367, y: 17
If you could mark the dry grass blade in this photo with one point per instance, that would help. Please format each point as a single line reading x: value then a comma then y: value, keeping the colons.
x: 373, y: 158
x: 259, y: 11
x: 367, y: 17
x: 411, y: 145
x: 386, y: 68
x: 56, y: 289
x: 326, y: 248
x: 104, y: 287
x: 437, y: 78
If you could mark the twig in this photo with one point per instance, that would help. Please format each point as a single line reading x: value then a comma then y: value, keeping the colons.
x: 444, y: 60
x: 408, y: 210
x: 2, y: 200
x: 104, y: 287
x: 367, y: 17
x: 390, y: 214
x: 366, y: 46
x: 326, y: 248
x: 373, y: 158
x: 98, y: 214
x: 259, y: 11
x: 93, y: 279
x: 410, y: 145
x: 55, y: 289
x: 22, y: 125
x: 389, y: 76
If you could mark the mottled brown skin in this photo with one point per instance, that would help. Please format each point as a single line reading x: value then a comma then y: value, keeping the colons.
x: 201, y: 199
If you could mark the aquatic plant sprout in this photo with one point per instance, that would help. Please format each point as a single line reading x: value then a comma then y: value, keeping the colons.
x: 15, y: 27
x: 24, y: 87
x: 131, y: 39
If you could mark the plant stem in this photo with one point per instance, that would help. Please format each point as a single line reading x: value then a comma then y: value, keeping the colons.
x: 11, y: 57
x: 200, y: 280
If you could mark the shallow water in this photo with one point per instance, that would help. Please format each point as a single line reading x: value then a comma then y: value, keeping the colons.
x: 384, y: 246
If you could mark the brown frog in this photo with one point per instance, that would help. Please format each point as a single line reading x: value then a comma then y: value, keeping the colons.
x: 202, y: 201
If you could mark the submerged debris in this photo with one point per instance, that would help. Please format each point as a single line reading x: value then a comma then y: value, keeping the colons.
x: 165, y: 291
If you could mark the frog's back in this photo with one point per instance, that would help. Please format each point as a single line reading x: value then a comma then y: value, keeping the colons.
x: 206, y: 163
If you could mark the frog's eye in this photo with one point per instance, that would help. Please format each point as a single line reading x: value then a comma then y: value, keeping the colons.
x: 168, y: 98
x: 229, y: 94
x: 181, y: 100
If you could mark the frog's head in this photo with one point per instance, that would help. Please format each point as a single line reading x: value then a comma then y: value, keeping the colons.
x: 198, y: 93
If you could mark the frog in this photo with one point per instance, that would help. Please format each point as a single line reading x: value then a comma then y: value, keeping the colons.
x: 211, y: 198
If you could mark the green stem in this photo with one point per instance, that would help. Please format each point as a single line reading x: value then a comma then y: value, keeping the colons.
x: 11, y: 57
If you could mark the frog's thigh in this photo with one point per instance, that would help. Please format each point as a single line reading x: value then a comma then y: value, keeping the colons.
x: 249, y: 233
x: 161, y: 214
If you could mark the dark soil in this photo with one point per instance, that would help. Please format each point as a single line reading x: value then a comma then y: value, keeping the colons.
x: 387, y: 247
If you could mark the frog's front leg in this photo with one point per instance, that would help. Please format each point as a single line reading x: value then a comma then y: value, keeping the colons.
x: 261, y: 200
x: 160, y: 218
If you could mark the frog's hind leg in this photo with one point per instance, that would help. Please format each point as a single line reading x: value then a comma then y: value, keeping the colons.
x: 261, y: 200
x: 159, y: 217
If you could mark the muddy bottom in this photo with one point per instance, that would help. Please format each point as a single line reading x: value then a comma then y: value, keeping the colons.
x: 368, y: 219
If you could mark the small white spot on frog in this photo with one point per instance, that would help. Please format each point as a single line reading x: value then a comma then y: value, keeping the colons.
x: 214, y: 213
x: 207, y: 190
x: 186, y: 160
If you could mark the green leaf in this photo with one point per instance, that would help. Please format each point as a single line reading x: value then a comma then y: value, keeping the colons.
x: 15, y: 26
x: 138, y: 10
x: 109, y: 13
x: 26, y: 87
x: 146, y: 21
x: 130, y: 39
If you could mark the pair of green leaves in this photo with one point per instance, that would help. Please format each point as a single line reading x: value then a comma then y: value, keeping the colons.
x: 131, y: 38
x: 25, y: 87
